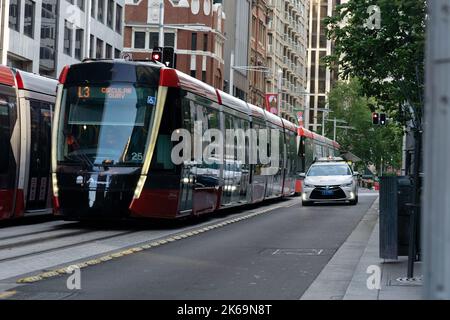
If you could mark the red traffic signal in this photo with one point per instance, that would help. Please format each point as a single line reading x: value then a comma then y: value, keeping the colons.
x: 375, y: 118
x: 157, y: 54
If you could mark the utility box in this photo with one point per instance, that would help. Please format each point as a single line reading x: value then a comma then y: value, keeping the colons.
x: 395, y: 194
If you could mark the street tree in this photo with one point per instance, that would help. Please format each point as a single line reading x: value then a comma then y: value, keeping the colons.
x: 387, y: 56
x: 374, y: 144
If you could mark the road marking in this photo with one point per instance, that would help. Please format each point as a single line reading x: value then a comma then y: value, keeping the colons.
x: 7, y: 294
x: 147, y: 246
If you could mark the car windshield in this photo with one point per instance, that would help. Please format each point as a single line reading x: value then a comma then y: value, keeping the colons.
x: 329, y: 170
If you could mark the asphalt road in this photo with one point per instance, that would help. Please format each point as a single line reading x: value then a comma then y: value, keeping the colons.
x: 275, y: 255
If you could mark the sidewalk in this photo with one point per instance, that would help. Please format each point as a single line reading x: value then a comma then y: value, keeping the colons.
x: 345, y: 277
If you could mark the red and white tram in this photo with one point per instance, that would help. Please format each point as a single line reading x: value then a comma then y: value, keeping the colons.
x: 112, y: 145
x: 26, y: 106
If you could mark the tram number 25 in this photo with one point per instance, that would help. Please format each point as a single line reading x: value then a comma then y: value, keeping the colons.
x: 137, y: 156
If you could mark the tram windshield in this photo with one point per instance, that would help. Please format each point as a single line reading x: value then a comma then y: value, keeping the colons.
x: 105, y: 124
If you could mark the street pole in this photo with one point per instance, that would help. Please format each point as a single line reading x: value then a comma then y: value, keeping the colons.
x: 334, y: 130
x: 436, y: 207
x: 161, y: 24
x: 280, y: 83
x: 4, y: 31
x: 87, y: 39
x: 231, y: 84
x: 323, y: 123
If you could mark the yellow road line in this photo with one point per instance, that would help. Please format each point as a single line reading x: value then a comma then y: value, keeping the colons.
x: 7, y: 294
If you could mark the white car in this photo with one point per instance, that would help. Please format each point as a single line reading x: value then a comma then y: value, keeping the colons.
x: 330, y: 181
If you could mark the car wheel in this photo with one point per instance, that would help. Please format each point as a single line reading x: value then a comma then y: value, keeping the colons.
x: 354, y: 202
x: 306, y: 203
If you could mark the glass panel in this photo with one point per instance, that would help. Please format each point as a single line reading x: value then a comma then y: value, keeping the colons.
x: 28, y: 23
x: 106, y: 124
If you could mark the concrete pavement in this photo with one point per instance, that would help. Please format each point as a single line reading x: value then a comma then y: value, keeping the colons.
x: 345, y: 277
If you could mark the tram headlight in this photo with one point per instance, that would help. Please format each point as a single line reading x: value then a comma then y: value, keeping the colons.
x: 55, y: 185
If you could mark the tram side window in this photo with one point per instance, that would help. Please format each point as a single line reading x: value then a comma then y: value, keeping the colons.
x: 171, y: 120
x: 4, y: 134
x: 210, y: 119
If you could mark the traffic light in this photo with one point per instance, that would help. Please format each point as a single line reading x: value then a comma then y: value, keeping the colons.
x: 375, y: 118
x: 169, y: 57
x: 157, y: 54
x: 382, y: 119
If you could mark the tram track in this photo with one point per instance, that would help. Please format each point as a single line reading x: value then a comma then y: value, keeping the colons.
x: 63, y: 247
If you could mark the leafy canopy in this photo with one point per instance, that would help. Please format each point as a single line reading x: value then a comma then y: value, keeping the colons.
x: 373, y: 144
x: 389, y: 61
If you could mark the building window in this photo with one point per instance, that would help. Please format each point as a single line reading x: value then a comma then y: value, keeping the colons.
x: 108, y: 51
x: 205, y: 42
x: 100, y: 7
x: 193, y: 73
x: 154, y: 40
x: 109, y: 15
x: 92, y: 46
x: 14, y: 14
x: 169, y: 39
x: 194, y: 42
x: 67, y: 38
x: 79, y: 43
x: 204, y: 76
x: 116, y: 53
x: 119, y: 19
x: 80, y: 4
x: 28, y: 22
x: 99, y: 49
x: 139, y: 40
x: 93, y: 8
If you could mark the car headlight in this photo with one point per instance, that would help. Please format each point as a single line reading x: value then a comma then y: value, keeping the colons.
x: 347, y: 184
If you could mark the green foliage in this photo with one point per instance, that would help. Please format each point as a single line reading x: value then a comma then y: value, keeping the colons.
x: 389, y: 62
x: 374, y: 144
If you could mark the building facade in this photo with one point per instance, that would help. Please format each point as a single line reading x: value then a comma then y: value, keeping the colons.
x: 193, y: 28
x: 65, y: 31
x: 237, y: 48
x: 258, y: 53
x: 320, y: 78
x: 287, y: 24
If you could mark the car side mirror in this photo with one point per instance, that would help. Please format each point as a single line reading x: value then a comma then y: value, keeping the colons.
x: 302, y: 175
x: 355, y: 174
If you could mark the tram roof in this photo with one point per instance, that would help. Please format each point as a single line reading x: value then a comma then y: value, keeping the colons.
x: 33, y: 82
x: 289, y: 125
x: 233, y: 102
x: 273, y: 118
x: 256, y: 111
x: 6, y: 76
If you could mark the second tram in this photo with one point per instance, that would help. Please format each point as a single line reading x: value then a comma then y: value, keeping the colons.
x: 26, y: 105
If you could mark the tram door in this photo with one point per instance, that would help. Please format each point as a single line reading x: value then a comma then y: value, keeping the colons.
x: 39, y: 173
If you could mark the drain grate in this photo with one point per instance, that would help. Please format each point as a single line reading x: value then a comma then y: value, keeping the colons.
x: 405, y: 281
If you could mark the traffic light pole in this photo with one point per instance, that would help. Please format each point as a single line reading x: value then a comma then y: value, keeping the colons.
x: 161, y: 24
